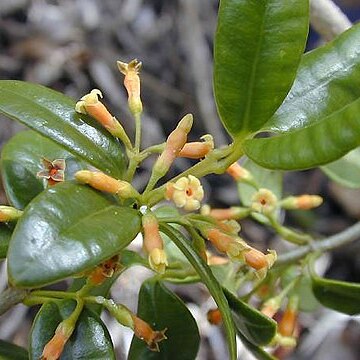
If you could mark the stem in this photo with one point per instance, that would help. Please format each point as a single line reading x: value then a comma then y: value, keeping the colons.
x: 54, y: 294
x: 137, y: 132
x: 216, y: 163
x: 345, y: 237
x: 11, y: 297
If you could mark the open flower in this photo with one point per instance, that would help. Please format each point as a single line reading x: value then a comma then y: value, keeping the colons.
x: 54, y: 171
x: 186, y: 193
x: 264, y: 201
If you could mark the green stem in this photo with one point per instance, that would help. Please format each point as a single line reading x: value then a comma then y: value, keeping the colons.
x: 343, y: 238
x: 137, y: 132
x: 11, y: 297
x: 216, y: 163
x: 54, y: 294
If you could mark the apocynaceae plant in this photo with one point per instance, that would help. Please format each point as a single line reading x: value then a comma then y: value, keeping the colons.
x: 74, y: 209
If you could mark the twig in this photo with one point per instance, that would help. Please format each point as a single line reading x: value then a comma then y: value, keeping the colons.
x: 327, y: 19
x: 345, y: 237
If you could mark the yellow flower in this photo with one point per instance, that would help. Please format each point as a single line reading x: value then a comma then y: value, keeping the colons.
x: 264, y: 201
x: 87, y: 100
x: 158, y: 260
x: 186, y: 193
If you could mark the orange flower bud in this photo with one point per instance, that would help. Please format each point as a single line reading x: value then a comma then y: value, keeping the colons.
x: 238, y: 173
x: 198, y: 150
x: 303, y: 202
x: 143, y: 331
x: 271, y: 307
x: 100, y: 181
x: 174, y: 143
x: 234, y: 212
x: 54, y: 348
x: 288, y: 321
x: 255, y: 259
x: 153, y: 243
x: 214, y: 317
x: 8, y: 213
x: 90, y: 104
x: 132, y: 84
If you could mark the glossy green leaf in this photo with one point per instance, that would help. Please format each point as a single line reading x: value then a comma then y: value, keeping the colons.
x: 5, y: 236
x: 90, y: 340
x: 256, y: 327
x: 258, y: 47
x: 65, y: 230
x: 258, y: 352
x: 265, y: 178
x: 303, y: 288
x: 9, y: 351
x: 345, y: 171
x: 52, y: 114
x: 319, y: 118
x: 21, y: 161
x: 337, y: 295
x: 163, y: 309
x: 209, y: 280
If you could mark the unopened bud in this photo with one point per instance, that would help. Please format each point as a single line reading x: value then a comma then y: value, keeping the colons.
x: 303, y: 202
x: 198, y: 150
x: 235, y: 213
x: 255, y: 259
x: 214, y: 317
x: 271, y: 307
x: 100, y: 181
x: 289, y: 319
x: 8, y: 213
x: 132, y: 84
x: 238, y: 173
x: 143, y: 331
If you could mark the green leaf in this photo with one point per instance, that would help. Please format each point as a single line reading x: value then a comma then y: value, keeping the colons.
x: 9, y: 351
x: 255, y: 327
x: 163, y: 309
x: 345, y: 171
x: 258, y: 352
x: 52, y: 114
x: 265, y: 178
x: 319, y: 118
x: 337, y: 295
x: 258, y: 47
x: 21, y: 161
x: 65, y: 230
x: 303, y: 288
x: 5, y: 236
x: 90, y: 340
x: 209, y: 280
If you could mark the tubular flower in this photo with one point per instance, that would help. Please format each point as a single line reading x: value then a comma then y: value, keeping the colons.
x: 132, y: 84
x: 100, y: 181
x: 264, y: 201
x: 90, y: 104
x: 232, y: 213
x: 153, y: 243
x: 143, y: 331
x: 259, y: 261
x: 54, y: 348
x: 288, y: 321
x: 198, y: 150
x: 186, y: 193
x: 302, y: 202
x: 54, y: 171
x: 174, y: 143
x: 233, y: 246
x: 238, y: 173
x: 8, y: 213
